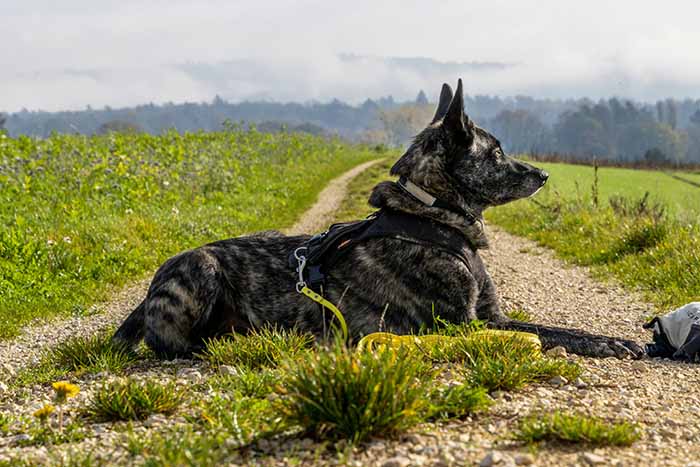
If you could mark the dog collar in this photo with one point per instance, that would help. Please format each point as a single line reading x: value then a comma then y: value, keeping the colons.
x: 429, y: 200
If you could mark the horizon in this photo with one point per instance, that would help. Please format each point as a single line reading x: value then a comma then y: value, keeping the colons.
x: 121, y: 54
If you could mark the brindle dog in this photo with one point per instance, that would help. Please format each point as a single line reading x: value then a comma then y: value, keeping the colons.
x: 244, y: 283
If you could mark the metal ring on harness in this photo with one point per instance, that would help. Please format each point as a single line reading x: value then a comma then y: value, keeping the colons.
x: 301, y: 260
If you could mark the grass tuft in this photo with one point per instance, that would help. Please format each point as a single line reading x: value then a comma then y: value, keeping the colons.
x: 576, y: 428
x: 263, y: 348
x: 508, y: 363
x: 133, y: 400
x: 520, y: 315
x: 93, y: 354
x: 339, y: 394
x: 458, y: 401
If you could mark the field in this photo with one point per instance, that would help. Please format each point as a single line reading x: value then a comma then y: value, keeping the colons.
x: 577, y: 181
x: 83, y: 215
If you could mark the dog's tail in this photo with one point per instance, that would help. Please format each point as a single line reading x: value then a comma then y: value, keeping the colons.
x: 132, y: 329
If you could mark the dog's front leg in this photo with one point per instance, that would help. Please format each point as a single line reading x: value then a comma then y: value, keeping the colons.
x: 575, y: 341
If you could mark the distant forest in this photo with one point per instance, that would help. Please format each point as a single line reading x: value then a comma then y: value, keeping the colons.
x: 667, y: 132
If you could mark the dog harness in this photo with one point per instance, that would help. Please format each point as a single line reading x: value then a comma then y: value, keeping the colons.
x: 316, y: 257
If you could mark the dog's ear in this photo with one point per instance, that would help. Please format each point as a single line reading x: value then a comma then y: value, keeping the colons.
x: 443, y: 103
x: 456, y: 122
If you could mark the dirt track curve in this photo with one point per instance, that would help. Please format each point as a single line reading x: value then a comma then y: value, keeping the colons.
x: 662, y: 396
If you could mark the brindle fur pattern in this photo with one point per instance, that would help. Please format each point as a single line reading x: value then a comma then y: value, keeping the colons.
x: 243, y: 283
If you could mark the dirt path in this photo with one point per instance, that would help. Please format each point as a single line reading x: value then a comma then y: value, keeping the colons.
x: 26, y: 349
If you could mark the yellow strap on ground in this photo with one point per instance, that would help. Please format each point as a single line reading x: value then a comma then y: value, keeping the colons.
x: 394, y: 340
x: 323, y: 302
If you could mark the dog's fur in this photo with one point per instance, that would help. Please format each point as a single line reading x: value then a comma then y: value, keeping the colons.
x: 244, y: 283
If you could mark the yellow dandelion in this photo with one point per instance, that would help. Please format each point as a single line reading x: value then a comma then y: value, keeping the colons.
x: 64, y: 390
x: 44, y: 412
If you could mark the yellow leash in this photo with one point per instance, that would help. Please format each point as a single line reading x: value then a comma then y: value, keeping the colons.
x: 318, y: 298
x: 393, y: 340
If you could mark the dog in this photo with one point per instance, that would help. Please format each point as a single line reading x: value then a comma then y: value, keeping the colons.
x: 241, y: 284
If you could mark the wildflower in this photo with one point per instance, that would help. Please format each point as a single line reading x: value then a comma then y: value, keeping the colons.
x: 166, y: 183
x: 67, y: 240
x: 129, y: 211
x: 44, y: 412
x: 175, y: 211
x: 64, y: 390
x: 50, y: 242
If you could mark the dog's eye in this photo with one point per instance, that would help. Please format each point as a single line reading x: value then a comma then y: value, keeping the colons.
x: 498, y: 153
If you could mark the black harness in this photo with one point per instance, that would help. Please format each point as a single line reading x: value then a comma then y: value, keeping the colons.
x: 323, y: 250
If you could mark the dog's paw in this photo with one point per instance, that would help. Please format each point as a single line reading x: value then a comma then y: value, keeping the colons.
x: 619, y: 348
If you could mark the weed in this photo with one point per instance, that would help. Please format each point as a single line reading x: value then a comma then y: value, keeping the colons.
x: 576, y: 428
x: 458, y: 401
x: 93, y: 354
x: 519, y: 314
x: 341, y: 394
x: 261, y: 348
x: 181, y: 446
x: 507, y: 363
x: 133, y: 400
x: 248, y: 383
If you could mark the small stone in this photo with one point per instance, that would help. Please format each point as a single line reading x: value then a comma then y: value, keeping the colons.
x: 492, y: 458
x: 639, y: 366
x: 228, y: 370
x: 580, y: 384
x: 592, y: 459
x: 558, y: 381
x: 524, y: 459
x: 3, y: 387
x: 556, y: 352
x: 398, y: 461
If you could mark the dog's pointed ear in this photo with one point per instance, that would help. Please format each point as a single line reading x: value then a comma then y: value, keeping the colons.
x: 443, y: 103
x: 456, y: 121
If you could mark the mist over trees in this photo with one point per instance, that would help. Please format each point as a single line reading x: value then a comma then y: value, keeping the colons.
x: 664, y: 132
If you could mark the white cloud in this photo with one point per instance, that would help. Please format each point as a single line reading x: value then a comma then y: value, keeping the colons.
x: 128, y: 51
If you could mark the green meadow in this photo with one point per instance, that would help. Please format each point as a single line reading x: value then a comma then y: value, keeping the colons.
x: 81, y: 216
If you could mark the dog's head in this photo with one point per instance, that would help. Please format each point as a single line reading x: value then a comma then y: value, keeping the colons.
x: 455, y: 159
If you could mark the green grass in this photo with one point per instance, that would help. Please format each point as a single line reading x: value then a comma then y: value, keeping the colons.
x: 261, y: 348
x: 133, y: 400
x: 576, y: 181
x: 80, y: 216
x: 78, y: 355
x: 576, y: 428
x: 338, y: 394
x: 458, y: 401
x: 507, y: 363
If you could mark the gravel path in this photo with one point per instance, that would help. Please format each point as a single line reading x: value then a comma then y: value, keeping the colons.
x: 662, y: 396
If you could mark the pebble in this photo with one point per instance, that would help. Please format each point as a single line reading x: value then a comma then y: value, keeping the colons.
x: 228, y: 370
x: 556, y: 352
x: 558, y: 381
x: 592, y: 458
x: 524, y: 459
x: 398, y: 461
x: 492, y: 458
x: 3, y: 387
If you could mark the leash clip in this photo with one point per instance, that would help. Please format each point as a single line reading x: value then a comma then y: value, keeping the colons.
x: 301, y: 264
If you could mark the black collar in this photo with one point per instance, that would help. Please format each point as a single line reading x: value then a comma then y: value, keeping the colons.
x: 429, y: 200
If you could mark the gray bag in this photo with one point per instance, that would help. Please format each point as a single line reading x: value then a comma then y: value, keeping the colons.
x: 676, y: 334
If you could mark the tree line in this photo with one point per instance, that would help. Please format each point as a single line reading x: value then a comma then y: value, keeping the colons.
x: 666, y: 132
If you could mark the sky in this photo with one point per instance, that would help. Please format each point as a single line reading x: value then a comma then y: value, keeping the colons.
x: 74, y: 53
